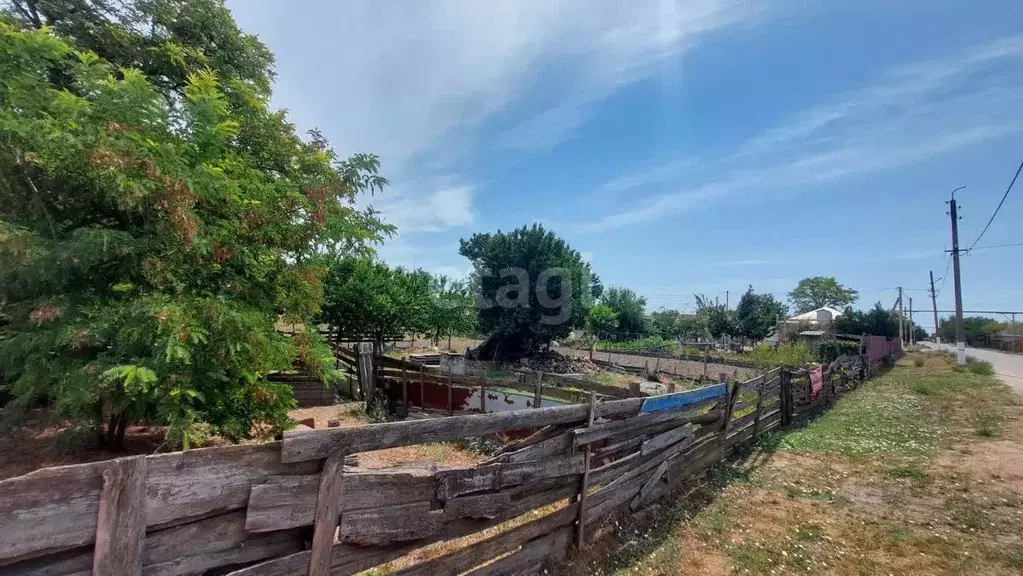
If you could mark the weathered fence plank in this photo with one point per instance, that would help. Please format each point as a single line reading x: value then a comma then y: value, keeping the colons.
x: 328, y: 509
x: 311, y: 445
x: 121, y: 523
x: 289, y: 501
x: 470, y: 556
x: 452, y: 483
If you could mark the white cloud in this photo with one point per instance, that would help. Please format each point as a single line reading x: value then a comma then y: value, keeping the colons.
x: 412, y: 81
x: 441, y: 209
x: 914, y: 113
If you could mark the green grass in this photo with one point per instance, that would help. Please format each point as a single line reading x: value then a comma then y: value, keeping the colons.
x: 988, y: 424
x: 1014, y: 557
x: 914, y: 474
x: 980, y: 367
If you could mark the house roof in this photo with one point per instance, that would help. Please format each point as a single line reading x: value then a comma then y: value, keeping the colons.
x: 811, y: 316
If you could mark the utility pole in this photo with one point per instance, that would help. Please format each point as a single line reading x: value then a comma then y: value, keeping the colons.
x: 934, y: 305
x: 902, y: 318
x: 912, y: 339
x: 726, y: 299
x: 960, y: 328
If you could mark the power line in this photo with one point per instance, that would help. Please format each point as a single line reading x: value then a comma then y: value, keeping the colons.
x: 944, y: 277
x: 998, y: 246
x: 1004, y: 196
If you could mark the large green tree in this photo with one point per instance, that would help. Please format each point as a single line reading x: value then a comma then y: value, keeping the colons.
x: 757, y: 315
x: 979, y: 329
x: 672, y: 324
x: 820, y: 291
x: 878, y: 321
x: 157, y: 218
x: 532, y: 288
x: 365, y: 298
x: 631, y: 310
x: 452, y: 308
x: 602, y: 321
x: 718, y: 320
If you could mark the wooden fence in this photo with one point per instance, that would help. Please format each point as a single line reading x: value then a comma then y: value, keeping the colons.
x: 292, y: 507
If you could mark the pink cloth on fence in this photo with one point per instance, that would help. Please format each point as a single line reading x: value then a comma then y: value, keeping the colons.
x: 816, y: 381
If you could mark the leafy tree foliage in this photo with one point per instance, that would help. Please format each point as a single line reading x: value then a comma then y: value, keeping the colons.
x: 157, y: 218
x: 631, y: 310
x: 672, y: 324
x: 820, y: 291
x: 452, y: 308
x: 757, y: 315
x: 532, y: 286
x: 602, y: 321
x: 878, y: 321
x: 718, y: 320
x: 366, y: 298
x: 979, y: 329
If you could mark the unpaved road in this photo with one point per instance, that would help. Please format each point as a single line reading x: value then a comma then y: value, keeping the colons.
x: 1008, y: 366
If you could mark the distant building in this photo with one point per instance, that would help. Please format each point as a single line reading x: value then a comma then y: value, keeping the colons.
x: 822, y: 316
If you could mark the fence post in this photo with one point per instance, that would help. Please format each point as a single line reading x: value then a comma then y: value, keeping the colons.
x: 538, y: 396
x: 327, y: 515
x: 451, y: 405
x: 121, y: 522
x: 422, y: 387
x: 584, y: 484
x: 404, y: 388
x: 483, y: 396
x: 364, y: 364
x: 760, y: 402
x: 786, y: 397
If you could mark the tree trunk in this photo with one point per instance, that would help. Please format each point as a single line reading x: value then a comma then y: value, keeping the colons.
x: 122, y: 425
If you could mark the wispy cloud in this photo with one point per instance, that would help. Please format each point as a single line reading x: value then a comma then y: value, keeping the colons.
x: 414, y: 81
x: 913, y: 113
x: 428, y: 211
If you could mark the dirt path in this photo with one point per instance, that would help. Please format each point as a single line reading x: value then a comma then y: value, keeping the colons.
x: 683, y: 368
x: 1009, y: 367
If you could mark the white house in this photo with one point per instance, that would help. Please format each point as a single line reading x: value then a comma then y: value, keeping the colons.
x: 822, y: 316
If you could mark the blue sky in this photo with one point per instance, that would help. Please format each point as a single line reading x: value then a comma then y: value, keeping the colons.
x: 690, y: 147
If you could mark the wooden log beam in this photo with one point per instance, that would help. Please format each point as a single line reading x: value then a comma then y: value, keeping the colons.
x: 312, y: 445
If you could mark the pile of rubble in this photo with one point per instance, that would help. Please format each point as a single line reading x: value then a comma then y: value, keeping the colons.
x: 555, y: 363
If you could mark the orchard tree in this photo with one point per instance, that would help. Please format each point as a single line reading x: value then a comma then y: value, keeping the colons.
x: 367, y: 298
x: 665, y: 323
x: 452, y: 308
x: 718, y: 320
x: 820, y: 291
x: 532, y: 288
x: 602, y: 321
x: 157, y: 219
x: 631, y: 310
x: 757, y: 315
x: 672, y: 324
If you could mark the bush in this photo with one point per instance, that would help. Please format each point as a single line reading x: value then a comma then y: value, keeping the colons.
x: 980, y: 367
x: 829, y: 351
x: 790, y: 355
x: 919, y: 362
x: 649, y: 344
